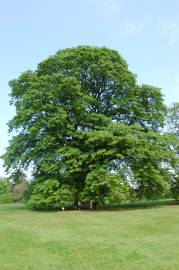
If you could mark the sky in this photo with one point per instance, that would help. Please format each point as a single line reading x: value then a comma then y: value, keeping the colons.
x: 146, y: 33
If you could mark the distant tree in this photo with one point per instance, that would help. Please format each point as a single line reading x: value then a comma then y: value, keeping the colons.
x: 83, y: 124
x: 18, y: 185
x: 173, y: 118
x: 5, y: 195
x: 19, y: 190
x: 175, y: 186
x: 173, y: 128
x: 17, y: 176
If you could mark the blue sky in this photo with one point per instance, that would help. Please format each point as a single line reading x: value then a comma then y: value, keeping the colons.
x: 146, y: 33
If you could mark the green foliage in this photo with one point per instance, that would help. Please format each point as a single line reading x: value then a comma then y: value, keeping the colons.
x: 17, y: 176
x: 6, y: 198
x: 4, y: 186
x: 101, y: 186
x: 173, y: 128
x: 175, y: 186
x: 47, y: 195
x: 152, y: 182
x: 5, y: 195
x: 173, y: 118
x: 82, y: 120
x: 19, y: 191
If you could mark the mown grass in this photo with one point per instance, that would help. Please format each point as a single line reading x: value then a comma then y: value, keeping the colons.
x: 127, y: 239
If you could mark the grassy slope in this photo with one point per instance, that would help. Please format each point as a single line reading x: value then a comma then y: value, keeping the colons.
x: 126, y: 239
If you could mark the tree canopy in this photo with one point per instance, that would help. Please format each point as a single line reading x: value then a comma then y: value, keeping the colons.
x: 173, y: 128
x: 173, y: 118
x: 88, y: 130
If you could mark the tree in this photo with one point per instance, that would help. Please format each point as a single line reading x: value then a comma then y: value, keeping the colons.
x: 82, y: 120
x: 5, y: 195
x: 19, y: 190
x: 173, y: 119
x: 17, y: 176
x: 173, y: 128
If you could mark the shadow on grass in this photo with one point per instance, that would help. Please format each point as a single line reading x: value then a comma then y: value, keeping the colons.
x: 118, y: 206
x: 13, y: 207
x: 136, y: 205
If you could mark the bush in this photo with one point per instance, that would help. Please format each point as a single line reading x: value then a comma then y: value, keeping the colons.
x: 49, y: 195
x: 5, y: 195
x: 4, y: 186
x: 6, y: 198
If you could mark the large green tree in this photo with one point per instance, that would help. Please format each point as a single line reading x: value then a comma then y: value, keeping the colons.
x: 84, y: 123
x: 173, y: 128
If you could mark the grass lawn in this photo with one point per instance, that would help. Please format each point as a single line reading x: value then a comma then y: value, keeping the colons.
x: 128, y: 239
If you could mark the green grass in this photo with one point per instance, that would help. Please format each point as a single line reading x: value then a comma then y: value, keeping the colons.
x: 126, y: 239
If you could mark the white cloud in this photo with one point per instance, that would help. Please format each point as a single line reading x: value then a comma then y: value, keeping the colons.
x: 131, y: 27
x: 169, y: 28
x: 112, y: 6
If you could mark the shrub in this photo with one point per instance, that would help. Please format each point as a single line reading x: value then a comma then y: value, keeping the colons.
x: 49, y: 195
x: 4, y: 186
x: 6, y: 198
